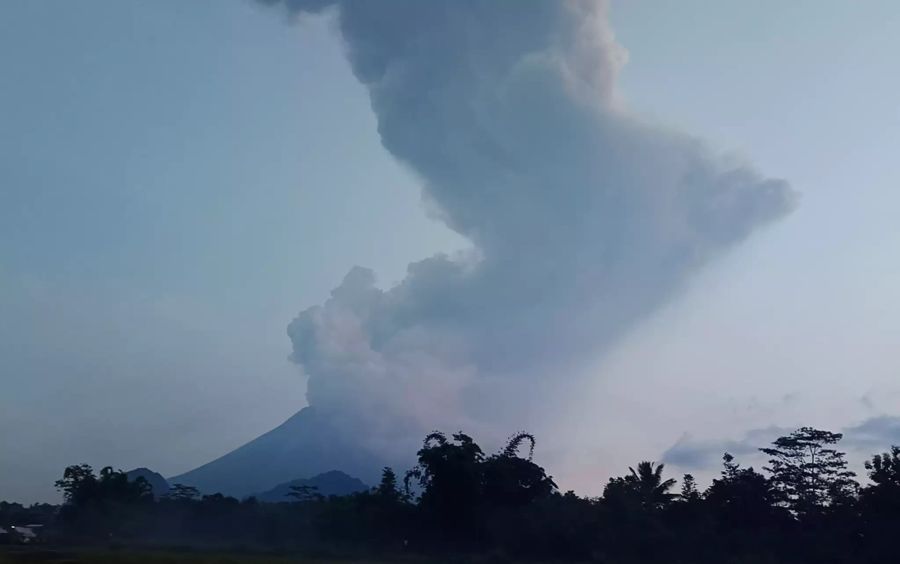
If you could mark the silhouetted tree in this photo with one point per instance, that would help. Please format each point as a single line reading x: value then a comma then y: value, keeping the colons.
x: 882, y: 497
x: 649, y: 486
x: 807, y: 473
x: 449, y: 474
x: 102, y: 505
x: 181, y: 492
x: 884, y: 468
x: 632, y: 514
x: 507, y: 506
x: 387, y: 489
x: 689, y: 492
x: 741, y: 497
x: 304, y: 493
x: 77, y: 484
x: 510, y: 480
x: 880, y: 507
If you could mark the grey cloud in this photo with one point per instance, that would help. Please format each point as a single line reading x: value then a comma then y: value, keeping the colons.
x: 875, y: 433
x: 692, y: 454
x: 583, y: 218
x: 868, y: 437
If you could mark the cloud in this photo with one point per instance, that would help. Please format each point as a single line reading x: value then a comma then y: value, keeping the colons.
x: 693, y: 454
x: 872, y: 435
x: 583, y: 218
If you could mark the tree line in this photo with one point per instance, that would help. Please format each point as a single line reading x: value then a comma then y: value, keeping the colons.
x: 804, y: 507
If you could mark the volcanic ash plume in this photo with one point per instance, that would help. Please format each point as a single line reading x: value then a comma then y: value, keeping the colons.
x: 583, y: 219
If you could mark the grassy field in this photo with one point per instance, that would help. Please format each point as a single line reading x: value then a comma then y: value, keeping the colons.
x: 53, y: 556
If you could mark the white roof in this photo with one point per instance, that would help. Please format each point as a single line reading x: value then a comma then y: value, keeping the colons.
x: 24, y: 532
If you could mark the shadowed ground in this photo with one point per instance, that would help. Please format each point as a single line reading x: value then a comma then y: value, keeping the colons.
x: 17, y: 555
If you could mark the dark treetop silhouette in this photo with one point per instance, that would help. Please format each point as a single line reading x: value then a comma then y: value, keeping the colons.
x: 459, y: 501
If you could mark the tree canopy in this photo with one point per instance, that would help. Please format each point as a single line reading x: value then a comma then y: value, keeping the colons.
x: 458, y: 500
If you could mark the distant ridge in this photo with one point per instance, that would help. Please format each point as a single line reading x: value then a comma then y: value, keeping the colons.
x: 158, y: 485
x: 304, y: 445
x: 329, y: 483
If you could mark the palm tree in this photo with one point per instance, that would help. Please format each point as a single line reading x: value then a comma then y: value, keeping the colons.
x: 647, y: 483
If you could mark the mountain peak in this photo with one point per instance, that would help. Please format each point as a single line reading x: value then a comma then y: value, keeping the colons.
x: 306, y: 444
x: 333, y: 482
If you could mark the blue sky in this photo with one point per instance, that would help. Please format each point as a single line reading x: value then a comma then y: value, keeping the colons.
x: 178, y: 180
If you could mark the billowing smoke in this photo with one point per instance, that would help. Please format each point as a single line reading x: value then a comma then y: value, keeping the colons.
x: 583, y: 219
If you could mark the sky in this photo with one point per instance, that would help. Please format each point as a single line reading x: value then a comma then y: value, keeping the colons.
x: 179, y: 180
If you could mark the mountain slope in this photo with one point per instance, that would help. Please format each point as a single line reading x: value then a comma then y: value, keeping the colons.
x: 304, y: 445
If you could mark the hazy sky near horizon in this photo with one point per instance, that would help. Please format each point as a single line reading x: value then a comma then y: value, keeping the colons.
x: 179, y: 179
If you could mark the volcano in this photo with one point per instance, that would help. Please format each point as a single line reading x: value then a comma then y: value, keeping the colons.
x: 305, y: 445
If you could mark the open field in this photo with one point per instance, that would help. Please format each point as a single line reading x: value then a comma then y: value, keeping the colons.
x: 63, y: 556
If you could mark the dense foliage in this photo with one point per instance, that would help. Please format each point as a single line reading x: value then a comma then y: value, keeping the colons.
x: 460, y: 501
